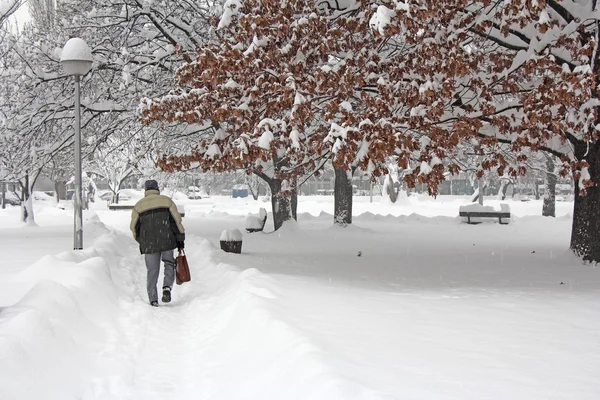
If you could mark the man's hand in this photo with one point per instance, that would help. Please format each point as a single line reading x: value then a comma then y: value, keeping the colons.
x: 180, y: 246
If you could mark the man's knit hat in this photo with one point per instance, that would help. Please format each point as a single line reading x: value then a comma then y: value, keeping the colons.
x: 151, y: 184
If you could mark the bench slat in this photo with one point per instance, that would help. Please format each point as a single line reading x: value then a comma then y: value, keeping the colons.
x: 484, y: 214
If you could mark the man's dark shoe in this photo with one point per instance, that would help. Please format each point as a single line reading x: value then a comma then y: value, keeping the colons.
x: 166, y: 295
x: 154, y: 303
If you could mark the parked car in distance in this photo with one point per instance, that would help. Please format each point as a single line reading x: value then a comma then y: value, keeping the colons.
x: 193, y: 193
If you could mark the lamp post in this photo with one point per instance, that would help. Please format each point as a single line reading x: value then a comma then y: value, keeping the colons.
x: 76, y: 60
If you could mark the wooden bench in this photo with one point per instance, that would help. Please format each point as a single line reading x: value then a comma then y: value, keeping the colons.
x: 116, y: 207
x: 478, y: 211
x: 485, y: 214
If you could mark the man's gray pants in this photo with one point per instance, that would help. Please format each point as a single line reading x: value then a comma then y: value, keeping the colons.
x: 153, y: 266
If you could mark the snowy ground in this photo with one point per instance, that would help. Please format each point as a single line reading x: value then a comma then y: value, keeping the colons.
x: 431, y: 309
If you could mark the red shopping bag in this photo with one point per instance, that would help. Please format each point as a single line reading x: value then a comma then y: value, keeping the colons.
x: 182, y: 272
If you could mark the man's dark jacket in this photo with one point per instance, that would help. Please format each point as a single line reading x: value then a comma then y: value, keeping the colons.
x: 156, y: 223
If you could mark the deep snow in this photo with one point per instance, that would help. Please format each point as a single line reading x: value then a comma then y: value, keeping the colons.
x: 407, y: 303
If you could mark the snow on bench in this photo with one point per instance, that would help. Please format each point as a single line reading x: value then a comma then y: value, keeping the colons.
x: 256, y: 223
x: 477, y: 211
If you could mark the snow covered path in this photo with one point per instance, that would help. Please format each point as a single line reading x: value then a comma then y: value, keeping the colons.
x: 217, y: 339
x: 161, y: 343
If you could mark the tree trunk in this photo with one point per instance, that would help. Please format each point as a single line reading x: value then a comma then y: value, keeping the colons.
x: 282, y: 205
x: 60, y: 189
x: 475, y: 197
x: 549, y: 207
x: 3, y: 200
x: 342, y: 214
x: 294, y: 204
x: 502, y: 190
x: 114, y: 188
x: 478, y: 195
x: 391, y: 190
x: 586, y: 217
x: 27, y: 204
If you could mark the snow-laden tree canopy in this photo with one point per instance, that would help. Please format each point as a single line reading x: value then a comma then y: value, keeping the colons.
x: 136, y: 48
x: 420, y: 80
x: 520, y: 73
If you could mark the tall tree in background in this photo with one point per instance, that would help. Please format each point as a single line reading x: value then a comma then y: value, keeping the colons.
x: 43, y: 13
x: 136, y: 48
x: 549, y: 204
x: 117, y: 158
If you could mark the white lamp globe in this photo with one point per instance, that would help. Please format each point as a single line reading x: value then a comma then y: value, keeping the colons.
x: 76, y: 57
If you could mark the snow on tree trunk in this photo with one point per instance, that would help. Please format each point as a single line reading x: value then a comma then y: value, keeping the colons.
x: 116, y: 189
x: 342, y: 196
x: 478, y: 195
x: 27, y: 215
x: 549, y: 206
x: 586, y: 218
x: 504, y: 183
x: 389, y: 191
x: 281, y: 204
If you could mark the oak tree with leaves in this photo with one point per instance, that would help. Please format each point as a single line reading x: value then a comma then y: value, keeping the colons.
x: 281, y: 76
x: 417, y: 80
x: 522, y: 73
x: 252, y: 85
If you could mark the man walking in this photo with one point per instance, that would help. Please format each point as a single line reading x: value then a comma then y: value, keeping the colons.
x: 156, y: 226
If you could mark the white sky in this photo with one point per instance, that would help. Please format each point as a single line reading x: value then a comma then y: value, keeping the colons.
x: 22, y: 14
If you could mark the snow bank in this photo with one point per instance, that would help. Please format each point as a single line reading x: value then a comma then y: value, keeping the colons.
x: 252, y: 346
x: 52, y: 336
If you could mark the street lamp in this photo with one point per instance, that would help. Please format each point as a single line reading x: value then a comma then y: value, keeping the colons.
x: 76, y: 60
